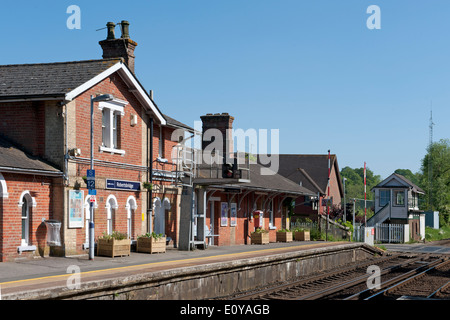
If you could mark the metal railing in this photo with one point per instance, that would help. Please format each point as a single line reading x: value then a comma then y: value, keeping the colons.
x: 390, y: 233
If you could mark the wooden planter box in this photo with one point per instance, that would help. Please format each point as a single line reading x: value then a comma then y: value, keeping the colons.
x: 302, y: 235
x: 151, y: 245
x: 260, y: 238
x: 113, y: 248
x: 284, y: 236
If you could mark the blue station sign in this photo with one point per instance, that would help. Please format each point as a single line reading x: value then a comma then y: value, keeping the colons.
x: 122, y: 185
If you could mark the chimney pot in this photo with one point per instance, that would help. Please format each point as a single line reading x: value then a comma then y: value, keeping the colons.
x: 125, y: 29
x: 111, y: 26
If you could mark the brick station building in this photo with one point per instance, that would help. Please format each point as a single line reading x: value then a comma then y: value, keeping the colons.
x: 140, y: 172
x: 45, y: 152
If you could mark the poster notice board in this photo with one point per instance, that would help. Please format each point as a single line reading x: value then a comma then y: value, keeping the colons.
x: 76, y: 210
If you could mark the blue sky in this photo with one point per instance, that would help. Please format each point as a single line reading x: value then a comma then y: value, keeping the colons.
x: 311, y: 69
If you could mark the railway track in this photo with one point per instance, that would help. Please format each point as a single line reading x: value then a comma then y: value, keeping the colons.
x: 397, y: 272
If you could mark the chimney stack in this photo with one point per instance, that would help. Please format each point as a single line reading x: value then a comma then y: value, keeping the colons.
x: 119, y: 48
x: 224, y: 123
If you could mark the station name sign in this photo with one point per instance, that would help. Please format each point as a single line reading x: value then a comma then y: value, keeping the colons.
x: 123, y: 185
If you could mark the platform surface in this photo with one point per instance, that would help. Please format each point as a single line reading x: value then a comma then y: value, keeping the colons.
x: 41, y: 273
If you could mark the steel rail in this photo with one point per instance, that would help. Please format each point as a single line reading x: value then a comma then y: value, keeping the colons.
x: 438, y: 290
x: 396, y: 282
x: 326, y: 278
x: 330, y: 274
x: 352, y: 282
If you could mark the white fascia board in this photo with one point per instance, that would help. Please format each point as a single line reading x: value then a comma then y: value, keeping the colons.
x: 129, y: 77
x: 98, y: 78
x: 141, y: 92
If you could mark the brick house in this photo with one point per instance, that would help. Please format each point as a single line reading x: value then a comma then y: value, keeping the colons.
x: 45, y: 116
x: 311, y: 172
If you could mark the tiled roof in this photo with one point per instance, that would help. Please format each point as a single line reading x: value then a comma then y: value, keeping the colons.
x: 172, y: 121
x: 12, y: 157
x: 48, y: 79
x: 302, y: 168
x: 258, y: 181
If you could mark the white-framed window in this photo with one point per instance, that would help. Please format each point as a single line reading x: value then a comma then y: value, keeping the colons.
x: 131, y: 206
x: 26, y: 203
x: 399, y: 197
x: 25, y: 222
x: 112, y: 111
x: 111, y: 206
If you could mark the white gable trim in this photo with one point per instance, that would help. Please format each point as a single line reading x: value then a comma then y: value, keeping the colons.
x: 386, y: 182
x: 138, y: 91
x: 3, y: 187
x: 85, y: 86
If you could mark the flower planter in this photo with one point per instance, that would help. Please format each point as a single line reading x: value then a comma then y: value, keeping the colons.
x: 260, y: 238
x: 284, y: 236
x: 151, y: 245
x: 113, y: 248
x: 302, y: 235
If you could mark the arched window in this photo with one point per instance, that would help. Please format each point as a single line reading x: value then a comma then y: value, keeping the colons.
x: 111, y: 206
x: 131, y: 206
x: 160, y: 214
x: 26, y: 203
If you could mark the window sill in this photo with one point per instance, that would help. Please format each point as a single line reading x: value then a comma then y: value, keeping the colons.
x: 111, y: 150
x: 272, y: 227
x: 21, y: 249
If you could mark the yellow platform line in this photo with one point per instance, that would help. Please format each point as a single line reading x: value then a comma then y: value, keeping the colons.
x: 159, y: 262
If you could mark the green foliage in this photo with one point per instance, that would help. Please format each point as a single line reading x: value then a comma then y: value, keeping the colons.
x: 116, y: 235
x: 440, y: 179
x: 354, y: 186
x: 413, y: 177
x: 259, y: 230
x: 316, y: 235
x: 283, y: 230
x: 437, y: 234
x: 152, y: 235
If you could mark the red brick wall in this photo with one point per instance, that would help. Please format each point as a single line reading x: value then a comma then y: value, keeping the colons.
x: 24, y: 123
x: 11, y: 215
x: 239, y: 234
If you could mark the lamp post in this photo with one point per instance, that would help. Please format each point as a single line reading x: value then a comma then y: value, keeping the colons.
x: 104, y: 97
x: 345, y: 204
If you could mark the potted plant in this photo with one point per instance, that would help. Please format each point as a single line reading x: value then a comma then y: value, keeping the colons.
x: 115, y: 244
x: 302, y: 234
x: 284, y: 235
x: 151, y: 243
x: 260, y: 236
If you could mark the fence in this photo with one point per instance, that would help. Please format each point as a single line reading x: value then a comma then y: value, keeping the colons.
x: 335, y: 231
x: 391, y: 233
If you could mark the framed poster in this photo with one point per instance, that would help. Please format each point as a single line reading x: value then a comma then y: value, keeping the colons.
x: 233, y: 214
x: 76, y: 210
x: 224, y: 214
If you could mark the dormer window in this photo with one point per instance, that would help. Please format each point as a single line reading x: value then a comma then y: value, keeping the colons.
x: 112, y: 112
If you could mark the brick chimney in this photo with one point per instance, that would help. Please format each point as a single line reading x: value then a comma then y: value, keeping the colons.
x: 119, y: 48
x: 224, y: 123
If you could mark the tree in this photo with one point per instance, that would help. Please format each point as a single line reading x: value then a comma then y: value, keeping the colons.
x: 413, y: 177
x: 354, y: 186
x: 437, y: 186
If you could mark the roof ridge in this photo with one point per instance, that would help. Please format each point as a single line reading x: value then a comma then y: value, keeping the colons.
x: 60, y: 62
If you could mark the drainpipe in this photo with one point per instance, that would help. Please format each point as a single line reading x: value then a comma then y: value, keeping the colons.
x: 150, y: 172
